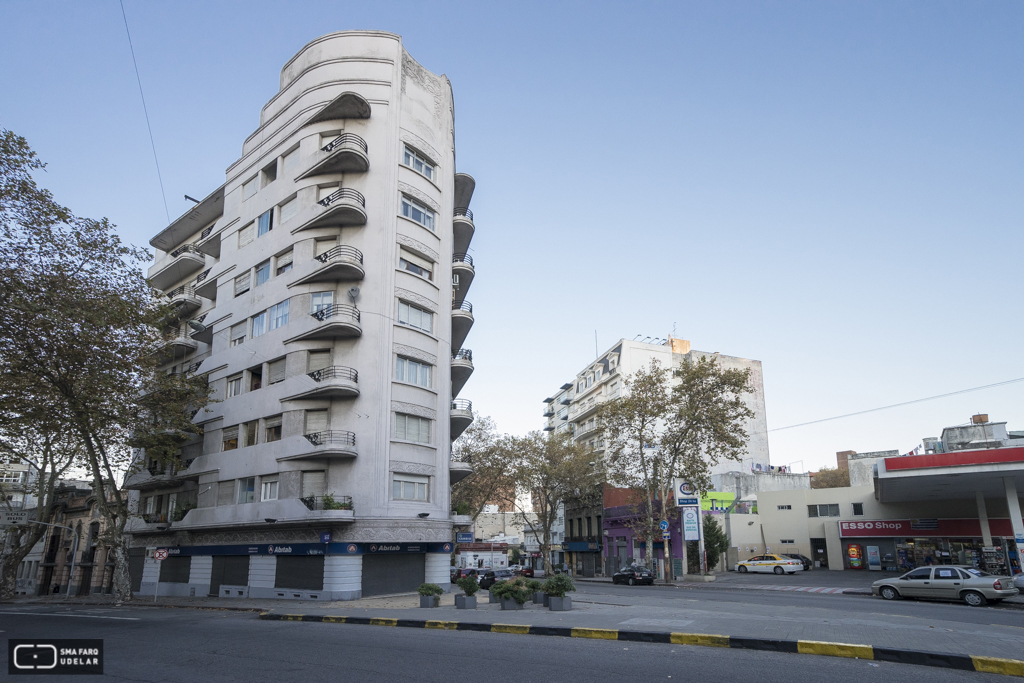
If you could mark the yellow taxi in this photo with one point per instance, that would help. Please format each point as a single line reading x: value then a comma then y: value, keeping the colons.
x: 770, y: 563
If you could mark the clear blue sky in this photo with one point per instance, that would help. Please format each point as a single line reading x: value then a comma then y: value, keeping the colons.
x: 832, y: 188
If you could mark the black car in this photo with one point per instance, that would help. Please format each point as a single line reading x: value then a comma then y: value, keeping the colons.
x: 491, y: 577
x: 807, y: 562
x: 634, y: 576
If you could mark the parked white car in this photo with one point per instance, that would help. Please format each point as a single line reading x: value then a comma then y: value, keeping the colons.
x: 776, y: 564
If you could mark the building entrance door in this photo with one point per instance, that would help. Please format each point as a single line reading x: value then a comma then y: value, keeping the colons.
x: 819, y: 552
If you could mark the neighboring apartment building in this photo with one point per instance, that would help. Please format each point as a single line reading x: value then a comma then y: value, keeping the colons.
x: 322, y: 290
x: 16, y: 486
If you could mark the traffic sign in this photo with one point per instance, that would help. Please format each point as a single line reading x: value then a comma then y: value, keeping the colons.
x: 664, y: 525
x: 13, y: 517
x: 666, y: 535
x: 160, y: 555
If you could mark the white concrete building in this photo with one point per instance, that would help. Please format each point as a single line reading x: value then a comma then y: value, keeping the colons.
x: 574, y: 406
x: 322, y: 290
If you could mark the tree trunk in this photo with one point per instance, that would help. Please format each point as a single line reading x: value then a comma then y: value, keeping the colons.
x: 650, y: 530
x: 122, y: 579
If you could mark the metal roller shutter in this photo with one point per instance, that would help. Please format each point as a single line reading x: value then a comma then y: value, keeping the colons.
x: 175, y: 569
x: 301, y: 572
x: 136, y: 563
x: 229, y: 570
x: 383, y: 574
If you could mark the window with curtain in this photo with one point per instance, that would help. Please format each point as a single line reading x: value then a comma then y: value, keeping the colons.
x: 410, y: 487
x: 277, y: 371
x: 272, y: 429
x: 279, y: 315
x: 415, y: 211
x: 412, y: 371
x: 265, y: 223
x: 412, y: 428
x: 414, y: 316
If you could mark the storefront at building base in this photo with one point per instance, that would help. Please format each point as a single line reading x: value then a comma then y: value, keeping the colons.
x: 289, y: 571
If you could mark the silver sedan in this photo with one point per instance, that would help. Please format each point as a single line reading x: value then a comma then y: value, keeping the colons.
x: 947, y: 582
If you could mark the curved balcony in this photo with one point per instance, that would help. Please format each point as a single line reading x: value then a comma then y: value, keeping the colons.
x: 462, y: 368
x: 175, y: 345
x: 344, y: 154
x: 462, y: 268
x: 342, y: 207
x: 199, y: 331
x: 205, y: 285
x: 347, y: 105
x: 336, y: 381
x: 461, y: 417
x: 209, y: 242
x: 463, y: 229
x: 184, y: 299
x: 337, y: 321
x: 462, y: 322
x: 457, y: 471
x: 340, y: 263
x: 160, y: 475
x: 332, y: 443
x: 180, y: 263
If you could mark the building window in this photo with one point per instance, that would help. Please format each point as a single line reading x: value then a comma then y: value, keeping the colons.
x: 230, y: 438
x: 409, y: 487
x: 412, y: 428
x: 259, y: 324
x: 316, y: 421
x: 787, y: 541
x: 413, y: 372
x: 320, y: 300
x: 279, y: 315
x: 246, y: 490
x: 234, y: 385
x: 416, y: 265
x: 242, y: 284
x: 262, y: 273
x: 415, y: 211
x: 277, y: 370
x: 11, y: 477
x: 318, y: 360
x: 418, y: 163
x: 290, y: 161
x: 265, y: 223
x: 251, y: 433
x: 415, y: 316
x: 269, y: 174
x: 831, y: 510
x: 238, y: 334
x: 289, y: 209
x: 858, y: 509
x: 785, y: 507
x: 269, y: 490
x: 284, y: 263
x: 246, y: 234
x: 249, y: 188
x: 255, y: 378
x: 272, y: 429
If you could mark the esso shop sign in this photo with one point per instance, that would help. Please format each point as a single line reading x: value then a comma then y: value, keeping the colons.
x: 874, y: 528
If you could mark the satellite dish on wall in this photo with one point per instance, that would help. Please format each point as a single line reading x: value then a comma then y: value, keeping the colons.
x: 353, y: 292
x: 197, y: 326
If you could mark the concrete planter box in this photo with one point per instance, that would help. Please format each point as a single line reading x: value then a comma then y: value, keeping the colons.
x: 540, y: 598
x: 465, y: 602
x: 430, y: 601
x: 492, y: 598
x: 509, y: 603
x: 559, y: 604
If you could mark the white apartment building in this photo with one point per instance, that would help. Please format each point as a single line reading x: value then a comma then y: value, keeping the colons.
x: 322, y: 290
x: 575, y: 405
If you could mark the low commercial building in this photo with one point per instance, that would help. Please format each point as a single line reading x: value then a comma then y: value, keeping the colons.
x: 75, y: 506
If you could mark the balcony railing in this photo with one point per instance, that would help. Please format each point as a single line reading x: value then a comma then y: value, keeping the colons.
x: 341, y: 252
x: 154, y: 517
x: 463, y: 212
x: 336, y: 311
x: 331, y: 437
x: 187, y: 248
x: 345, y: 138
x: 335, y: 372
x: 463, y: 354
x: 344, y: 193
x: 462, y: 404
x: 462, y: 258
x: 582, y: 539
x: 206, y: 233
x: 462, y: 306
x: 202, y: 276
x: 327, y: 502
x: 187, y: 291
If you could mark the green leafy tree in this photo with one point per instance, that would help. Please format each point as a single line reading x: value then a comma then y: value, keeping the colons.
x: 491, y: 482
x: 830, y: 478
x: 81, y: 330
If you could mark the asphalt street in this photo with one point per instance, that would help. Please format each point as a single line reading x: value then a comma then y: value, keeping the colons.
x: 154, y: 644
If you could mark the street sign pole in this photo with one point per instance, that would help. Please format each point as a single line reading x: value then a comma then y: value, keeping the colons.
x: 700, y: 540
x: 159, y: 555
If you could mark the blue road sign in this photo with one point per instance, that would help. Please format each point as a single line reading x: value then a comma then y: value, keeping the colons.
x: 464, y: 537
x: 664, y: 525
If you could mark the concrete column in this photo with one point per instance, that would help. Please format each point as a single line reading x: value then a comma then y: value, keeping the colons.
x: 986, y: 534
x: 834, y: 544
x: 262, y: 574
x: 343, y: 576
x: 437, y: 570
x: 1013, y: 503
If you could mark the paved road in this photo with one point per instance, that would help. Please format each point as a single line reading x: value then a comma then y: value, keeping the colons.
x: 152, y: 644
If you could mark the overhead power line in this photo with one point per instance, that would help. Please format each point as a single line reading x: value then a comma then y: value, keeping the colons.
x: 897, y: 405
x: 145, y: 111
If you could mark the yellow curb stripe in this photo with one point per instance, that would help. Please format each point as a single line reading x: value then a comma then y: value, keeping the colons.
x: 816, y: 647
x: 446, y: 625
x: 705, y: 639
x: 291, y: 617
x: 598, y: 633
x: 334, y: 620
x: 996, y: 665
x: 510, y: 628
x: 380, y: 621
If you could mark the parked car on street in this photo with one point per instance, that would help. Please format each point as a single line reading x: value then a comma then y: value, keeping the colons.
x: 778, y: 564
x: 493, y: 576
x: 806, y: 561
x: 464, y: 572
x: 634, y: 576
x: 516, y: 568
x: 947, y: 582
x: 1018, y: 581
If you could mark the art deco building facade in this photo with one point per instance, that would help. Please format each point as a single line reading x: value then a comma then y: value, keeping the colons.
x: 322, y: 290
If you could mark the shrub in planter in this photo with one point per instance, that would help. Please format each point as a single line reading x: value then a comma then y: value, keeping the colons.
x: 430, y: 594
x: 468, y: 585
x: 555, y: 588
x: 465, y: 602
x: 513, y: 594
x: 539, y: 598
